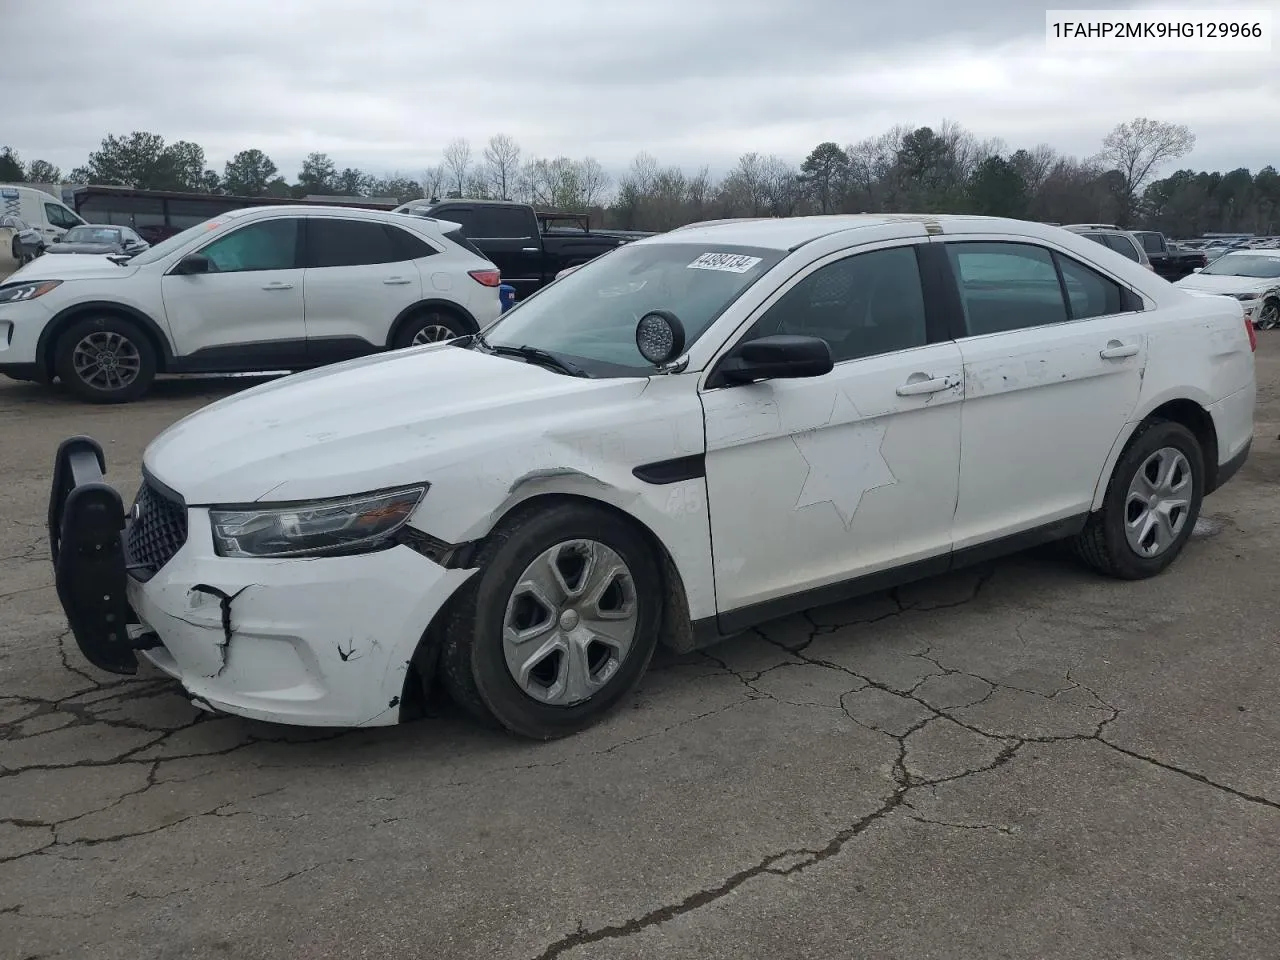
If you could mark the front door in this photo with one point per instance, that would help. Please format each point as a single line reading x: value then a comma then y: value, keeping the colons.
x: 1049, y: 383
x: 818, y: 481
x: 246, y: 312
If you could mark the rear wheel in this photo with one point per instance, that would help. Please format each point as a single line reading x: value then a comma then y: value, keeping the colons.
x: 105, y: 359
x: 430, y: 326
x: 559, y: 624
x: 1151, y: 506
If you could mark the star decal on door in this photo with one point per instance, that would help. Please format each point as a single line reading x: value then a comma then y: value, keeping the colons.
x: 845, y: 460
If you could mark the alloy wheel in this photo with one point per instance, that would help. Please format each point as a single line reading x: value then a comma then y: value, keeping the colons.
x: 1158, y: 502
x: 106, y: 360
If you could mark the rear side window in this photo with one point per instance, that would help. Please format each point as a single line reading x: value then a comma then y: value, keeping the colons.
x: 456, y: 236
x: 1006, y: 286
x: 412, y: 247
x: 350, y: 243
x: 1089, y: 293
x: 499, y: 223
x: 1150, y: 242
x: 1122, y: 244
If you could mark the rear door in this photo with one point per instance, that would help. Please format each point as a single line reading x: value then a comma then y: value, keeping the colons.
x: 360, y: 277
x: 507, y: 235
x: 1054, y: 352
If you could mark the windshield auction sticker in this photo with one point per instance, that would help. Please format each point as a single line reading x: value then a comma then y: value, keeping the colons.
x: 728, y: 262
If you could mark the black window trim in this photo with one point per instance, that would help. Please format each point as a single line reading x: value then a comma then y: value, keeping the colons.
x: 1131, y: 300
x: 937, y: 323
x: 299, y: 252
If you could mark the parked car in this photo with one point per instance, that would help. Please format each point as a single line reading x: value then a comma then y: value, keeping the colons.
x: 1250, y: 276
x: 26, y: 243
x: 694, y: 434
x: 1109, y: 235
x: 264, y: 288
x: 528, y: 247
x: 43, y: 212
x: 100, y: 239
x: 1166, y: 259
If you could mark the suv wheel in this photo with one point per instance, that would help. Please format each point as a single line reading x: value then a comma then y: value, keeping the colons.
x: 1151, y: 506
x: 559, y: 624
x: 431, y: 326
x: 105, y: 359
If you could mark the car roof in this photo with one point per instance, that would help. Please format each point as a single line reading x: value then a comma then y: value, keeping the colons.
x: 789, y: 233
x: 296, y: 210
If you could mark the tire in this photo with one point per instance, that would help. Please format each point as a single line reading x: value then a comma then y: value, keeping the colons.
x: 18, y: 255
x: 1105, y: 543
x: 1269, y: 316
x: 474, y: 657
x: 130, y: 376
x: 430, y: 326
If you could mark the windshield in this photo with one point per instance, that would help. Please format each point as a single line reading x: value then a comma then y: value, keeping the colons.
x: 91, y: 235
x: 591, y: 314
x: 1245, y: 265
x: 174, y: 243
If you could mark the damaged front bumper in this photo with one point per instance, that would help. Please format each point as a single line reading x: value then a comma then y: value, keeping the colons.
x: 314, y: 642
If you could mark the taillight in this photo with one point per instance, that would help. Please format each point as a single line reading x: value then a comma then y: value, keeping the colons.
x: 1253, y: 334
x: 488, y: 278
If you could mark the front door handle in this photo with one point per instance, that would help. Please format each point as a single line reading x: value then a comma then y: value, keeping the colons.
x: 1115, y: 350
x: 914, y: 388
x: 395, y: 281
x: 277, y: 286
x: 530, y: 249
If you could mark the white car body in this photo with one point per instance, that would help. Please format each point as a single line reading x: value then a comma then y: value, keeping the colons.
x: 257, y: 310
x: 1254, y: 293
x: 797, y: 491
x: 45, y: 213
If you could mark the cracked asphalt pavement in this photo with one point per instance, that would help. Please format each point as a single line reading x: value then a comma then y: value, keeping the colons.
x: 1023, y: 760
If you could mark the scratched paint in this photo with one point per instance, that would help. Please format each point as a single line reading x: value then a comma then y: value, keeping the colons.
x: 845, y: 462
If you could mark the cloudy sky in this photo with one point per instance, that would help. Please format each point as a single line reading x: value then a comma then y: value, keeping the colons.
x: 385, y: 84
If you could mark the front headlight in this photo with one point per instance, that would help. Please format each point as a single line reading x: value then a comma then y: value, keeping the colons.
x: 27, y: 291
x: 1246, y: 296
x: 315, y: 527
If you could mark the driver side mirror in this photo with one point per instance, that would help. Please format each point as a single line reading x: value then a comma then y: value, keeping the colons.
x: 192, y: 263
x: 778, y: 357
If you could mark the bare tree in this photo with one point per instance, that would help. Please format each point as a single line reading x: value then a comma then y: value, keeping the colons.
x: 433, y: 179
x: 595, y: 182
x: 457, y: 163
x: 502, y: 165
x: 1137, y: 149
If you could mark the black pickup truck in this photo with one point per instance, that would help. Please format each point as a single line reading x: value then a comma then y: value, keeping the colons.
x: 528, y: 247
x: 1166, y: 259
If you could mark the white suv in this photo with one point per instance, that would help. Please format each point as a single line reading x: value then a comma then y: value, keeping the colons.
x: 263, y: 288
x: 694, y: 434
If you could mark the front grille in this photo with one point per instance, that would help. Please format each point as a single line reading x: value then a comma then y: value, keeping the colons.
x: 158, y: 530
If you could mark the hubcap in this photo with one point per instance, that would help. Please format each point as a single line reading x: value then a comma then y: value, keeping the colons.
x: 106, y: 360
x: 1269, y: 318
x: 1158, y: 502
x: 433, y: 333
x: 570, y: 622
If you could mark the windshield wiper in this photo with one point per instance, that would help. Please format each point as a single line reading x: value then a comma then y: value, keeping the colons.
x: 537, y: 355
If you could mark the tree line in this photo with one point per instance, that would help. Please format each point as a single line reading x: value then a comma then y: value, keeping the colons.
x: 946, y: 169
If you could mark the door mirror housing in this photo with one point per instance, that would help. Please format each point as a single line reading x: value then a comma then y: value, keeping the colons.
x: 192, y: 263
x: 1196, y: 269
x: 779, y: 357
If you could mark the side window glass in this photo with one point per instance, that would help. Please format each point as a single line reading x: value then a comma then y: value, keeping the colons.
x: 1089, y: 293
x: 500, y: 223
x: 60, y: 217
x: 865, y: 305
x: 412, y: 247
x: 1122, y: 244
x: 1006, y: 286
x: 349, y: 243
x: 269, y: 245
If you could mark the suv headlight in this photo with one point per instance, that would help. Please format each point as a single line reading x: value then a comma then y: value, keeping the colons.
x: 27, y: 291
x: 356, y: 524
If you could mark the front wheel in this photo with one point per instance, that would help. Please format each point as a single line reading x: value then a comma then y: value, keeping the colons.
x: 105, y: 359
x: 432, y: 326
x: 1269, y: 316
x: 559, y: 624
x: 1151, y: 505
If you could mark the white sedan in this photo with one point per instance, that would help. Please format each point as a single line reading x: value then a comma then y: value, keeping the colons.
x: 1250, y: 276
x: 700, y: 432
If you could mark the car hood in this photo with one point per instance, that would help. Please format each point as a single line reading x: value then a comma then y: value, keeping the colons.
x: 366, y: 424
x: 72, y: 266
x: 83, y: 248
x: 1214, y: 283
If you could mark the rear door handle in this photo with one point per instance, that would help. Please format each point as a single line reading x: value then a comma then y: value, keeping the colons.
x: 1115, y: 350
x: 395, y: 281
x: 277, y: 286
x: 914, y: 388
x: 530, y: 249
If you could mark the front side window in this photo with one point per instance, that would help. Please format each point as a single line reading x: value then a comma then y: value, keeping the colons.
x: 60, y: 216
x: 864, y: 305
x: 1006, y: 286
x: 350, y: 243
x: 591, y: 314
x: 266, y: 245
